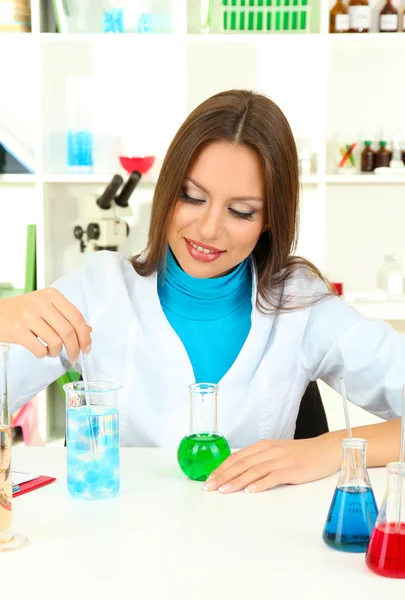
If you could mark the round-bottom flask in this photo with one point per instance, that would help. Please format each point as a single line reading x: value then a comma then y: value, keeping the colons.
x: 204, y: 449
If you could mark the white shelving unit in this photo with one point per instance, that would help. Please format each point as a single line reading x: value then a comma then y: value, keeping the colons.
x: 145, y: 85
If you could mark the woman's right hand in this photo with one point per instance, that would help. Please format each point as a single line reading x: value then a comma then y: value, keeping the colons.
x: 48, y: 315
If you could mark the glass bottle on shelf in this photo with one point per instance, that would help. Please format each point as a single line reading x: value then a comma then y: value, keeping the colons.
x: 390, y: 277
x: 359, y: 16
x: 383, y: 156
x: 388, y: 18
x: 339, y: 18
x: 367, y: 158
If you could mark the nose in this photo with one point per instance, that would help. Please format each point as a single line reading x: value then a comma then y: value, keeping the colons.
x: 211, y: 223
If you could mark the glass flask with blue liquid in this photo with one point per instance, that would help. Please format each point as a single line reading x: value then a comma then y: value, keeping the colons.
x: 353, y: 511
x: 92, y: 439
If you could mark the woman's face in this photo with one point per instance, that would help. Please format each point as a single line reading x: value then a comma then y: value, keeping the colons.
x: 221, y: 214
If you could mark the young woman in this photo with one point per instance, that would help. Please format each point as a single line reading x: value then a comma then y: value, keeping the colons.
x: 217, y: 296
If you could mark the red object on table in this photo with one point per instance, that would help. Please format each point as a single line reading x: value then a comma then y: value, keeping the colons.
x: 34, y: 484
x: 137, y: 163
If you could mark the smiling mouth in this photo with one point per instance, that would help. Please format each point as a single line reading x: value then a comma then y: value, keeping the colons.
x: 203, y: 248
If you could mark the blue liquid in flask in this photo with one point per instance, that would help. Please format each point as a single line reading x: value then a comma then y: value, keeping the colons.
x: 351, y: 518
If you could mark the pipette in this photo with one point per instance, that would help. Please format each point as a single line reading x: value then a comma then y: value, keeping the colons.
x: 87, y: 399
x: 401, y: 457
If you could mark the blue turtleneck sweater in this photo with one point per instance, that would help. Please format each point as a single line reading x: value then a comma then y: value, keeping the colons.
x: 212, y: 317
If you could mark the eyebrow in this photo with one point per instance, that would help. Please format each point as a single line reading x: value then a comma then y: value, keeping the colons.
x: 236, y: 199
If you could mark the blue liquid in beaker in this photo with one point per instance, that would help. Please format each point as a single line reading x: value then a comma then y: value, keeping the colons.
x: 113, y: 21
x: 351, y: 519
x: 92, y: 444
x: 79, y: 149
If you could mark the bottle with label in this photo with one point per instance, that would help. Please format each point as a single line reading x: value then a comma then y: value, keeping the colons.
x: 339, y: 18
x: 388, y: 18
x: 359, y: 16
x: 383, y: 156
x: 367, y: 158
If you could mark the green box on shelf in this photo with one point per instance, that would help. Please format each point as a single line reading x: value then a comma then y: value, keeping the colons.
x: 265, y: 15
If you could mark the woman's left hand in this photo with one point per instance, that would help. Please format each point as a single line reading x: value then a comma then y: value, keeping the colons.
x: 274, y: 462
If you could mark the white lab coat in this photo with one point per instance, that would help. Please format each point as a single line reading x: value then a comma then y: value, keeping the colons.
x: 259, y: 396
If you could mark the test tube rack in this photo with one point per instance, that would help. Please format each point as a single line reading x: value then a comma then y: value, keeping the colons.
x: 267, y: 16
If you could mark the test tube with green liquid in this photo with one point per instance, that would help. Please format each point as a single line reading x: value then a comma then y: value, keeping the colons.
x: 233, y: 16
x: 294, y: 17
x: 303, y: 22
x: 259, y: 16
x: 286, y: 16
x: 242, y: 16
x: 269, y: 15
x: 204, y: 448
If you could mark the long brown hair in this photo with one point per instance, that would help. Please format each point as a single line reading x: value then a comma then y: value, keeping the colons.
x: 245, y: 118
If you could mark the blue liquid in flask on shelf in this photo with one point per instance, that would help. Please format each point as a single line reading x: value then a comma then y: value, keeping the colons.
x: 351, y: 518
x: 92, y: 446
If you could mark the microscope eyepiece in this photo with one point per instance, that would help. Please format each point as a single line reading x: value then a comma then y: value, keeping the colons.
x: 110, y: 192
x: 123, y: 198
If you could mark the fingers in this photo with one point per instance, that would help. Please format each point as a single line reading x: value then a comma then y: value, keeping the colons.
x: 65, y: 332
x: 77, y: 332
x: 235, y: 470
x: 32, y: 344
x: 239, y: 455
x: 279, y: 477
x: 250, y: 476
x: 47, y: 334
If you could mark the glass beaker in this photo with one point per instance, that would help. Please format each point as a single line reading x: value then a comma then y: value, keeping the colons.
x: 92, y: 439
x: 9, y: 540
x: 79, y: 93
x: 386, y: 551
x: 113, y: 18
x: 204, y: 449
x: 353, y: 510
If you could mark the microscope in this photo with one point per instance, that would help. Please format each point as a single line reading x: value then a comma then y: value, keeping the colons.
x: 107, y: 227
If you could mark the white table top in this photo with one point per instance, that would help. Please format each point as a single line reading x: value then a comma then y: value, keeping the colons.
x: 163, y: 537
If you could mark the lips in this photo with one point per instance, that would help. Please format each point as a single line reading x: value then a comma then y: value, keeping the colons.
x: 200, y: 246
x: 202, y: 252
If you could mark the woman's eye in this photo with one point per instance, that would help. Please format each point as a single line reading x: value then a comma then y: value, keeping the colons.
x: 189, y: 199
x: 248, y: 216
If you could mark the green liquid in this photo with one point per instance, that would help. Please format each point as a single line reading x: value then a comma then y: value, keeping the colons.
x: 200, y: 454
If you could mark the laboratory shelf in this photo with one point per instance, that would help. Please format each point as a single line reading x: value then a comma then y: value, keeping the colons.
x: 362, y: 179
x: 236, y: 37
x: 109, y: 38
x: 386, y: 311
x: 73, y: 178
x: 70, y: 178
x: 18, y: 179
x: 368, y: 39
x: 310, y: 179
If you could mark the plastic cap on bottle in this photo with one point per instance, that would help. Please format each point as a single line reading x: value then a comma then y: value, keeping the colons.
x: 382, y: 144
x: 368, y: 143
